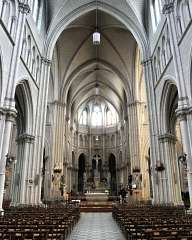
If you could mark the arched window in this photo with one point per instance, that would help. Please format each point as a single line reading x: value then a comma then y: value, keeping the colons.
x: 83, y: 118
x: 96, y: 119
x: 37, y: 11
x: 155, y: 13
x: 186, y: 13
x: 110, y: 118
x: 29, y: 51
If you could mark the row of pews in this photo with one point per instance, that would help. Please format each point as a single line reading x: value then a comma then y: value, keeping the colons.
x: 42, y: 223
x: 153, y: 222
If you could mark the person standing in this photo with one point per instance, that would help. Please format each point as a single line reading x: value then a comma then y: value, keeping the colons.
x: 123, y: 194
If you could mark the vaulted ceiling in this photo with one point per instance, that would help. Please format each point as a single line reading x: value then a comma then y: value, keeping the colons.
x: 139, y: 6
x: 81, y: 65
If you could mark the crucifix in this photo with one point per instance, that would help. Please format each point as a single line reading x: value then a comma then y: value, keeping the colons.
x: 96, y: 167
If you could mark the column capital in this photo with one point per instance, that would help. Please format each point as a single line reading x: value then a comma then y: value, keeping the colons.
x: 2, y: 112
x: 10, y: 114
x: 46, y: 61
x: 25, y: 137
x: 168, y: 7
x: 24, y: 8
x: 134, y: 103
x: 181, y: 113
x: 146, y: 61
x: 5, y: 1
x: 167, y: 137
x: 59, y: 103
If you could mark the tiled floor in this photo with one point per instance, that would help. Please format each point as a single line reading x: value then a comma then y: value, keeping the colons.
x: 96, y: 226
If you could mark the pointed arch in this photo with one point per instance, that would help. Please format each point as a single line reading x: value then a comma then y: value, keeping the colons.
x: 24, y: 105
x: 168, y: 105
x: 130, y: 21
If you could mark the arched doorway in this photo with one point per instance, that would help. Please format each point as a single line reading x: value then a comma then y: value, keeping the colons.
x: 81, y: 171
x: 112, y: 172
x: 21, y: 141
x: 169, y: 167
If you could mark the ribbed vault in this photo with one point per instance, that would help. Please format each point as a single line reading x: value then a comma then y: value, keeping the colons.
x: 81, y: 65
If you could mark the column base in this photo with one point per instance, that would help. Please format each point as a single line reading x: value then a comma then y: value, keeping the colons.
x: 2, y: 212
x: 181, y: 203
x: 189, y: 211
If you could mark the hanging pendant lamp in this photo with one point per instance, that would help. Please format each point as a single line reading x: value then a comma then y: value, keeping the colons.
x: 96, y: 34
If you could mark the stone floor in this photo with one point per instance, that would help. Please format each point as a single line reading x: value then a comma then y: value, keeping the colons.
x: 96, y: 226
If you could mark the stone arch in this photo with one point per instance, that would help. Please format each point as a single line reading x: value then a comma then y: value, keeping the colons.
x: 131, y: 22
x: 80, y: 69
x: 23, y: 90
x: 165, y: 97
x: 21, y: 142
x: 183, y: 11
x: 89, y: 97
x: 167, y: 141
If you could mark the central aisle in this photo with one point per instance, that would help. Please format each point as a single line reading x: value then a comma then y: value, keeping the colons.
x: 96, y: 226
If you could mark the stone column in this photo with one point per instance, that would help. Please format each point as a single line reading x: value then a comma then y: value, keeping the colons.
x: 21, y: 181
x: 9, y: 103
x: 6, y: 121
x: 69, y: 178
x: 185, y: 118
x: 37, y: 162
x: 134, y: 135
x: 153, y: 124
x: 76, y: 177
x: 168, y: 10
x: 169, y: 178
x: 60, y: 130
x: 3, y: 6
x: 24, y: 9
x: 65, y: 173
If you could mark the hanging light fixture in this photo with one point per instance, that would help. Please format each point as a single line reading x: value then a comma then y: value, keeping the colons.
x: 96, y: 38
x: 96, y: 34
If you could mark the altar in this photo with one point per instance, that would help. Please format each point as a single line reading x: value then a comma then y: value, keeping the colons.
x: 96, y: 197
x: 96, y: 182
